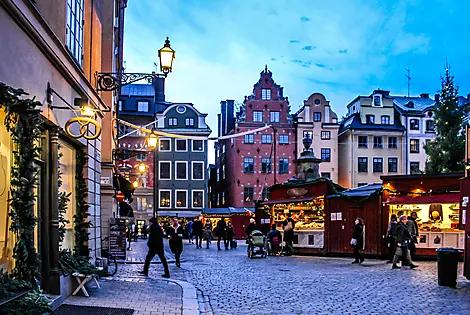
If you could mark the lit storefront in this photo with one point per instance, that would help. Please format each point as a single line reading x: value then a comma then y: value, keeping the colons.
x: 240, y: 218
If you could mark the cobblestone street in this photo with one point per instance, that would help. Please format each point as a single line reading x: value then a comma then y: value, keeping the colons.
x: 230, y: 283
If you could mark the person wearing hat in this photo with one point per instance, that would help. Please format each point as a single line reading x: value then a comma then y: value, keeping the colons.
x: 155, y: 245
x: 403, y: 240
x: 250, y: 228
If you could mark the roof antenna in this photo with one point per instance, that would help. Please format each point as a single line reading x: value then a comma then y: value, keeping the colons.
x: 409, y: 80
x: 155, y: 66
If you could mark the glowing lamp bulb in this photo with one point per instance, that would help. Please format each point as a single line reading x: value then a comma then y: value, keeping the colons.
x: 87, y: 111
x: 135, y: 184
x: 152, y: 141
x: 142, y: 168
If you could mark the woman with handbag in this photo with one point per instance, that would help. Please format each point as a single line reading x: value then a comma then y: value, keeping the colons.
x: 357, y: 241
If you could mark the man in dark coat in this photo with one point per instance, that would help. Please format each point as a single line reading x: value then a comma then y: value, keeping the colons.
x: 198, y: 229
x: 412, y: 227
x: 403, y: 241
x: 221, y: 233
x: 155, y: 245
x: 288, y: 226
x: 175, y: 232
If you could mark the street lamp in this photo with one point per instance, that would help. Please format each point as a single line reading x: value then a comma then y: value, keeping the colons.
x: 166, y: 55
x: 142, y: 168
x: 152, y: 141
x: 135, y: 184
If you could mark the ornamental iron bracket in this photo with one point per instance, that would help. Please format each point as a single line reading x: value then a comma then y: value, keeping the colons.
x: 125, y: 154
x: 111, y: 81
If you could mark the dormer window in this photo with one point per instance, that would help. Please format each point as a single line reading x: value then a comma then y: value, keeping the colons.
x: 265, y: 94
x: 377, y: 100
x: 385, y: 120
x: 370, y: 119
x: 414, y: 124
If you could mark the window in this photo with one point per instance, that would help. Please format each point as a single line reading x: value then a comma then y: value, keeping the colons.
x: 429, y: 125
x: 172, y: 121
x: 362, y: 164
x: 198, y: 145
x: 414, y: 124
x: 377, y: 101
x: 265, y: 94
x: 181, y: 145
x: 266, y: 165
x: 370, y: 119
x: 181, y: 198
x: 274, y: 116
x: 283, y: 139
x: 266, y: 139
x: 181, y: 109
x: 142, y: 106
x: 308, y: 134
x: 249, y: 165
x: 223, y: 171
x: 120, y: 105
x: 362, y: 143
x: 165, y: 170
x: 392, y: 142
x: 248, y: 193
x: 326, y: 154
x: 141, y: 203
x: 414, y: 145
x: 165, y: 145
x: 414, y: 168
x: 385, y: 120
x: 392, y: 165
x: 250, y: 139
x: 283, y: 166
x: 265, y: 195
x: 325, y: 135
x: 198, y: 170
x: 165, y: 198
x: 326, y: 175
x: 74, y: 29
x: 377, y: 165
x: 378, y: 143
x: 257, y: 116
x: 181, y: 170
x: 140, y: 156
x: 198, y: 198
x: 189, y: 122
x: 316, y: 116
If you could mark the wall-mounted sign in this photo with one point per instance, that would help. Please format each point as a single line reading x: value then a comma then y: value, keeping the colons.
x: 85, y: 132
x: 105, y: 180
x: 297, y: 192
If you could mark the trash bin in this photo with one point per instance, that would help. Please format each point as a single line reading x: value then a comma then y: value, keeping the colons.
x: 447, y: 263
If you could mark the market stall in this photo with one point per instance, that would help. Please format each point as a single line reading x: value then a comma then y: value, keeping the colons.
x: 240, y: 217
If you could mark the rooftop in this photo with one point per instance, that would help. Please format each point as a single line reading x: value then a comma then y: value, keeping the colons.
x: 354, y: 122
x: 413, y: 104
x: 138, y: 90
x: 363, y: 191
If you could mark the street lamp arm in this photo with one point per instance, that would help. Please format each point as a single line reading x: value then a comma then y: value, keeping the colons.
x: 111, y: 81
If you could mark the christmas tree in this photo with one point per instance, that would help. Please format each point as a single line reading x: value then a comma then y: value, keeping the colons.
x: 446, y: 152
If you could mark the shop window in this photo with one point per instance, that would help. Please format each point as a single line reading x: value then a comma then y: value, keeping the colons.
x: 429, y: 125
x: 414, y: 145
x: 249, y: 139
x: 249, y: 165
x: 385, y: 120
x: 198, y: 198
x: 377, y: 165
x: 274, y: 116
x: 362, y: 164
x: 257, y: 116
x: 393, y: 142
x: 143, y: 106
x: 181, y: 198
x: 392, y: 165
x: 265, y: 94
x: 181, y: 170
x: 326, y: 154
x: 248, y: 193
x: 181, y: 145
x: 283, y: 139
x: 316, y: 116
x: 378, y: 143
x: 165, y: 170
x: 325, y: 135
x: 283, y: 166
x: 198, y: 145
x: 198, y: 170
x: 67, y: 168
x: 74, y: 29
x: 326, y: 175
x: 311, y: 240
x: 370, y: 119
x: 165, y: 145
x: 414, y: 124
x: 165, y: 198
x: 266, y: 139
x: 414, y: 168
x: 266, y: 165
x: 362, y: 142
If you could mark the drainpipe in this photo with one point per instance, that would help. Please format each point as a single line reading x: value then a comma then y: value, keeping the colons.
x: 352, y: 158
x: 405, y: 146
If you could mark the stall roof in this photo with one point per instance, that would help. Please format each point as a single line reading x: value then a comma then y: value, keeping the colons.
x: 179, y: 213
x: 424, y: 199
x: 363, y: 191
x: 226, y: 211
x: 289, y: 200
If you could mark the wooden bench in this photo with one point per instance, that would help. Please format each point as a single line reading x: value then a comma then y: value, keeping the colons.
x: 83, y: 281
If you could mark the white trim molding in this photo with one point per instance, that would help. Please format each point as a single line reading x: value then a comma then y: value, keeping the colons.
x: 159, y: 148
x: 192, y: 198
x: 192, y: 146
x: 159, y: 170
x: 192, y: 170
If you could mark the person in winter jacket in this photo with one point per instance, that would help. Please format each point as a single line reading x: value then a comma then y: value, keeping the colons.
x: 198, y: 230
x: 391, y: 237
x: 412, y: 227
x: 403, y: 240
x: 288, y: 226
x: 220, y: 232
x: 230, y: 234
x: 358, y: 235
x: 155, y: 244
x: 175, y: 232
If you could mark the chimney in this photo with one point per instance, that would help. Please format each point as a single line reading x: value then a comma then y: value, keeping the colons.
x: 424, y: 95
x: 159, y: 87
x: 436, y: 98
x: 219, y: 127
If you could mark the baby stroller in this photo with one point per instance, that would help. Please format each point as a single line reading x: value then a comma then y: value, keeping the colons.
x: 274, y: 246
x: 256, y: 244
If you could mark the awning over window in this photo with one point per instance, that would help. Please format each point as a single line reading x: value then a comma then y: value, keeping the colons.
x: 226, y: 211
x: 424, y: 199
x: 274, y: 202
x: 179, y: 213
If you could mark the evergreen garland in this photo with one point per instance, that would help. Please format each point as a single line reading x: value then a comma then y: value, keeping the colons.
x: 23, y: 122
x: 64, y: 198
x: 80, y: 219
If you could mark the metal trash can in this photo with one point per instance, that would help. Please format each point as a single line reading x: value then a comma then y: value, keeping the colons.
x: 447, y: 263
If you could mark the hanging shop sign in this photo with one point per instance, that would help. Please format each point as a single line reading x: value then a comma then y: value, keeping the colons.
x: 84, y: 128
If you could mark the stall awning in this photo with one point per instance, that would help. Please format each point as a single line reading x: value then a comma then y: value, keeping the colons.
x: 179, y: 213
x: 226, y: 211
x: 424, y: 199
x: 278, y: 201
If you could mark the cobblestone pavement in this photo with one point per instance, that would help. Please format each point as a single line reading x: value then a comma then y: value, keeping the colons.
x: 230, y: 283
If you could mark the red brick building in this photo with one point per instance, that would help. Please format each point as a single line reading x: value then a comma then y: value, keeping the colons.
x: 247, y: 165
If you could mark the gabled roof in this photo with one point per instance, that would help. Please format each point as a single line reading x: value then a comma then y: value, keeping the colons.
x: 413, y: 104
x: 363, y: 191
x: 354, y: 122
x: 138, y: 90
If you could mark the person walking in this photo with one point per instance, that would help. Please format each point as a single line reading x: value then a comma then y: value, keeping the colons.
x: 175, y: 232
x: 357, y: 240
x: 403, y: 240
x: 155, y: 245
x: 391, y: 238
x: 220, y: 232
x: 230, y: 235
x: 144, y: 231
x: 189, y: 229
x: 412, y: 227
x: 198, y: 230
x: 288, y: 226
x: 208, y: 233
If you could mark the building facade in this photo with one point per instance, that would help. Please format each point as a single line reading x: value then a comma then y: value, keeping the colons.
x: 317, y: 119
x: 52, y: 50
x: 249, y: 164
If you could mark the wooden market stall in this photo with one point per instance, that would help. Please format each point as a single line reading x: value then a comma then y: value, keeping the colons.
x: 240, y: 218
x: 464, y: 219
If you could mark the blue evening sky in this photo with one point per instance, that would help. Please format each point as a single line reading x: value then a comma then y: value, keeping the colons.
x: 341, y: 48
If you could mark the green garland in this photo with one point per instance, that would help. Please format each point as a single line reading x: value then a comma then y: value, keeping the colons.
x: 64, y: 198
x: 23, y: 122
x: 80, y: 219
x: 69, y: 264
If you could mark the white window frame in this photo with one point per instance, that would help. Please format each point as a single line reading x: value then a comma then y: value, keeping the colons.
x: 139, y: 103
x: 266, y: 94
x: 159, y: 170
x: 170, y: 120
x: 176, y: 198
x: 254, y: 114
x: 176, y: 145
x: 159, y: 148
x: 373, y: 100
x: 392, y: 157
x: 176, y: 170
x: 192, y: 198
x: 74, y: 29
x: 160, y: 197
x: 192, y: 146
x: 188, y: 121
x: 192, y: 169
x: 383, y: 168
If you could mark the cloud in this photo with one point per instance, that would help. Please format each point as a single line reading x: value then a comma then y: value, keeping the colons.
x: 305, y: 64
x: 294, y: 41
x: 308, y: 47
x: 343, y: 51
x: 305, y: 19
